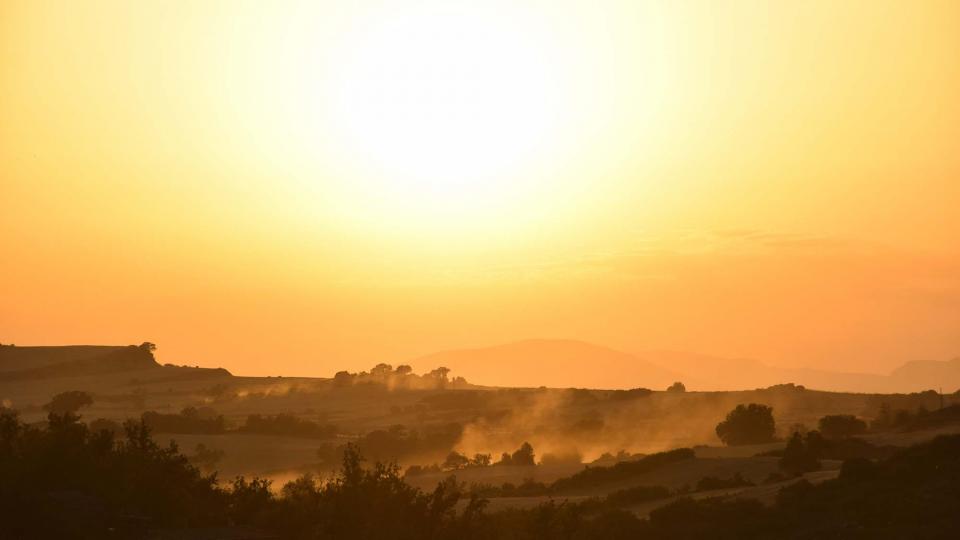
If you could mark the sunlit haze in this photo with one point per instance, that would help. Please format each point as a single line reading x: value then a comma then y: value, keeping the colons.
x: 296, y: 188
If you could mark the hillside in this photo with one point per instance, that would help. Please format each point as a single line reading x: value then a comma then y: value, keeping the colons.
x: 13, y: 358
x: 930, y: 374
x: 58, y: 362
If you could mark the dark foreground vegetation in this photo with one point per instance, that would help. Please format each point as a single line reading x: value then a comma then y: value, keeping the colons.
x: 65, y: 481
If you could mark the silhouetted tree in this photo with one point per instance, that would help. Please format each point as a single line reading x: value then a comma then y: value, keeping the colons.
x: 381, y: 371
x: 884, y: 419
x: 522, y: 456
x: 480, y: 460
x: 440, y: 373
x: 841, y: 426
x: 747, y: 424
x: 677, y: 387
x: 62, y: 481
x: 798, y: 458
x: 455, y: 461
x: 343, y: 379
x: 69, y: 402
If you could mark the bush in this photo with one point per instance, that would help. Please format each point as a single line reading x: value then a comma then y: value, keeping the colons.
x: 523, y: 457
x: 189, y: 421
x: 841, y: 426
x: 799, y: 458
x: 69, y: 402
x: 747, y: 424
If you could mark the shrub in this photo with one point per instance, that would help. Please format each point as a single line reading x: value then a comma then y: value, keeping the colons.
x: 747, y: 424
x: 69, y: 402
x: 798, y: 458
x: 841, y: 426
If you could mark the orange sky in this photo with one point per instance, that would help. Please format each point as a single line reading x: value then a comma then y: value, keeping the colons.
x: 298, y: 188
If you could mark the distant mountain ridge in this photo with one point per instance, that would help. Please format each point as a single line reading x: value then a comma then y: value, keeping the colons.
x: 714, y: 373
x: 557, y: 363
x: 566, y: 363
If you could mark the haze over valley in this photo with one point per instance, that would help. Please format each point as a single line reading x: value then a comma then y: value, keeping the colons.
x: 461, y: 270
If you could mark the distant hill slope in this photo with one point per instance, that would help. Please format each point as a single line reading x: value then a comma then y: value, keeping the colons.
x: 22, y: 363
x: 557, y: 363
x: 35, y: 363
x: 14, y: 358
x: 930, y: 374
x: 704, y: 372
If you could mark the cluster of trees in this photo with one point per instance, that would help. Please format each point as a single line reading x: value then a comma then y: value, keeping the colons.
x: 521, y: 457
x: 401, y: 377
x: 841, y: 426
x: 916, y: 419
x: 455, y: 461
x: 841, y: 449
x: 754, y: 424
x: 287, y: 425
x: 64, y: 481
x: 191, y: 420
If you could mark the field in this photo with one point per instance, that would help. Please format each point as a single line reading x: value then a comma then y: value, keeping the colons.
x: 417, y: 421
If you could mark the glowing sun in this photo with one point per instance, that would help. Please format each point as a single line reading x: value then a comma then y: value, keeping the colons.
x: 445, y: 110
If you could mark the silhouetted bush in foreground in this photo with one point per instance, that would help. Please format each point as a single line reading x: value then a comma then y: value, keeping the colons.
x: 66, y: 482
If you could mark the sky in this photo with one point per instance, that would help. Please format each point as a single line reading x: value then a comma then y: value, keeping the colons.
x: 303, y: 187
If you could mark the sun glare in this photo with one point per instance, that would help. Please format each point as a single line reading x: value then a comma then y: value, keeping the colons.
x: 444, y: 112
